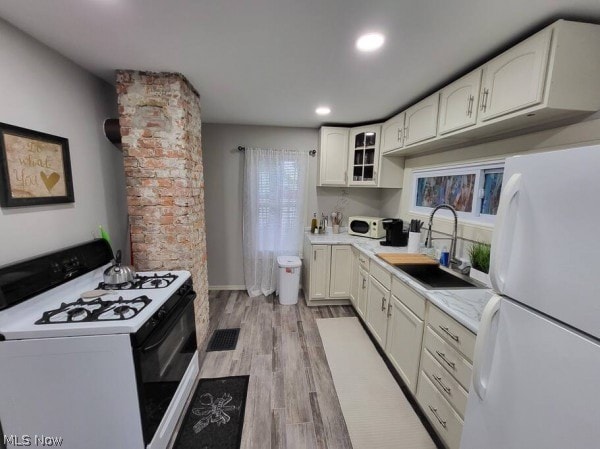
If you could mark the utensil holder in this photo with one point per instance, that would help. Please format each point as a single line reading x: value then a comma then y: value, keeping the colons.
x: 414, y: 240
x: 336, y: 229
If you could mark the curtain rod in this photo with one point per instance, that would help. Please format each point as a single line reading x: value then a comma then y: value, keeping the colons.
x: 311, y: 152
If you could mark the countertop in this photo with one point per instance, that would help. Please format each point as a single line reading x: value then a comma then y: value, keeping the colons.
x: 464, y: 305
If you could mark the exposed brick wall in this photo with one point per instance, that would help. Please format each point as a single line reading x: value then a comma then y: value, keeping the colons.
x: 159, y: 115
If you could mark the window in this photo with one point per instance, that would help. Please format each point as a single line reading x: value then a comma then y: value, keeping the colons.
x: 473, y: 190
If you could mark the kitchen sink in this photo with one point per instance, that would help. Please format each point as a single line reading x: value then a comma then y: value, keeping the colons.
x: 437, y: 277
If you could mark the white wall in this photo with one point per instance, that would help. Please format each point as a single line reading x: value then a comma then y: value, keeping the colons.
x: 223, y: 176
x: 43, y: 91
x: 585, y: 132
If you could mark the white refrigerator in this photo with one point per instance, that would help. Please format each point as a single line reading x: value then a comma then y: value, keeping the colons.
x: 536, y: 370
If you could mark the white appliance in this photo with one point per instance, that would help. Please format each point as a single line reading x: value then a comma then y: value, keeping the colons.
x: 536, y: 370
x: 371, y: 227
x: 105, y: 372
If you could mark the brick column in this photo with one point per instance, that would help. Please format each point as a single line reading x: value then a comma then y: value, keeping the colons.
x: 159, y: 115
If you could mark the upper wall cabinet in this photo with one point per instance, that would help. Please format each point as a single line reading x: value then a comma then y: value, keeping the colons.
x: 515, y: 79
x: 420, y: 122
x: 551, y: 76
x: 392, y: 133
x: 458, y: 103
x: 333, y: 156
x: 351, y: 157
x: 364, y: 155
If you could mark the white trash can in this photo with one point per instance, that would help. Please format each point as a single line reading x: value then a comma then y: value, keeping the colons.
x: 289, y: 279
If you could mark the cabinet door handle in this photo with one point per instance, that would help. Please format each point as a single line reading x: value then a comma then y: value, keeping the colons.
x: 470, y: 106
x: 383, y: 304
x: 450, y: 334
x: 389, y: 314
x: 486, y: 92
x: 399, y: 135
x: 439, y: 381
x: 434, y: 411
x: 315, y: 255
x: 364, y: 282
x: 442, y: 356
x: 406, y: 133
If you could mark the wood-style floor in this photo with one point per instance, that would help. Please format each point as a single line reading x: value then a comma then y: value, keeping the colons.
x: 291, y: 401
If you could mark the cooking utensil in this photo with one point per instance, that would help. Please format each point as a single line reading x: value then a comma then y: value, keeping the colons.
x: 117, y: 273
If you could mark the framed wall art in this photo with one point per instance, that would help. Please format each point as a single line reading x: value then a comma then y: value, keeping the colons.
x: 35, y: 168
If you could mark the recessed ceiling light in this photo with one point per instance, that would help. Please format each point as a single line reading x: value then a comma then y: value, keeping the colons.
x: 370, y: 41
x: 323, y: 110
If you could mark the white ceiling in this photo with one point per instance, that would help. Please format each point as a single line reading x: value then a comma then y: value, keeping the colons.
x: 272, y: 62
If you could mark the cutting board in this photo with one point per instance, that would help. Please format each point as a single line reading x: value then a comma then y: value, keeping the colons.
x: 404, y: 258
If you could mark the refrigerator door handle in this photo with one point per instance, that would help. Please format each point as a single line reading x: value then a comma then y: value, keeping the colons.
x: 500, y: 239
x: 482, y: 346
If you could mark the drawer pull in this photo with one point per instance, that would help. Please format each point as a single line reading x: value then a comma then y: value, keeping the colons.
x: 448, y: 362
x: 441, y: 384
x: 383, y: 304
x: 450, y: 334
x: 434, y: 411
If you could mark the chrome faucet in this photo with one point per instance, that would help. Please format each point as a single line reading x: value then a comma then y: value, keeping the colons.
x: 453, y: 261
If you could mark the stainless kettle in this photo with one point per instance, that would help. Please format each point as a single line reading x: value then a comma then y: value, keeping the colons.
x: 117, y: 273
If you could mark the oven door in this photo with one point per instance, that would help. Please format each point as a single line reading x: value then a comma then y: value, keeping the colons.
x: 162, y: 360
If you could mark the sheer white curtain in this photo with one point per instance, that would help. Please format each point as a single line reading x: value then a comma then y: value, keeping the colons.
x: 274, y: 196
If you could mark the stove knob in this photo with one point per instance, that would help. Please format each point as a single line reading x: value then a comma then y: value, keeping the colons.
x: 153, y: 321
x: 161, y: 314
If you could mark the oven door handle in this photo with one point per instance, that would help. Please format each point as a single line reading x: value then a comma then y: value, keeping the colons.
x: 160, y: 337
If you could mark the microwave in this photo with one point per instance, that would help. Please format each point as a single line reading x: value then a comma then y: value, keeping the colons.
x: 371, y: 227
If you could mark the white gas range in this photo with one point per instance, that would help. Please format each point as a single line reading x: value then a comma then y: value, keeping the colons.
x: 108, y: 371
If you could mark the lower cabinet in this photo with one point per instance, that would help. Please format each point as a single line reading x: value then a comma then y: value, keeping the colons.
x: 377, y: 315
x: 403, y: 342
x: 354, y: 282
x: 363, y: 292
x: 327, y: 271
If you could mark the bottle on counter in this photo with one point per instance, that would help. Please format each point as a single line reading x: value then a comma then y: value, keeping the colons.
x: 445, y: 257
x: 313, y: 224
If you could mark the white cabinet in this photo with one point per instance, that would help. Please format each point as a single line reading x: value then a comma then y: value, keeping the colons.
x: 421, y: 120
x: 377, y: 302
x: 340, y: 271
x: 459, y: 103
x: 392, y: 133
x: 363, y: 158
x: 327, y: 273
x: 354, y: 282
x: 363, y: 292
x: 319, y: 271
x: 333, y: 156
x: 403, y: 345
x: 515, y: 79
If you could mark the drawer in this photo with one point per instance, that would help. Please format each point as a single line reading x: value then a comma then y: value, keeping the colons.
x: 445, y: 420
x: 363, y: 261
x: 453, y: 332
x: 381, y: 274
x: 415, y: 302
x: 447, y: 385
x: 449, y: 358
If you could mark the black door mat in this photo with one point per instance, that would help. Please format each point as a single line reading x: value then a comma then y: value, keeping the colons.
x: 215, y: 417
x: 223, y: 340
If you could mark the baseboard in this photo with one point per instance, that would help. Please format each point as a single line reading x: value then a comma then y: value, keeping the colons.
x: 227, y: 287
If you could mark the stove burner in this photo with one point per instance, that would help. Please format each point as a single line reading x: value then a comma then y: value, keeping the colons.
x: 74, y: 313
x: 95, y: 310
x: 142, y: 282
x: 121, y: 310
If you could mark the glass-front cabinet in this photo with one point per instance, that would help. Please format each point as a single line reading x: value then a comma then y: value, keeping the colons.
x: 364, y: 155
